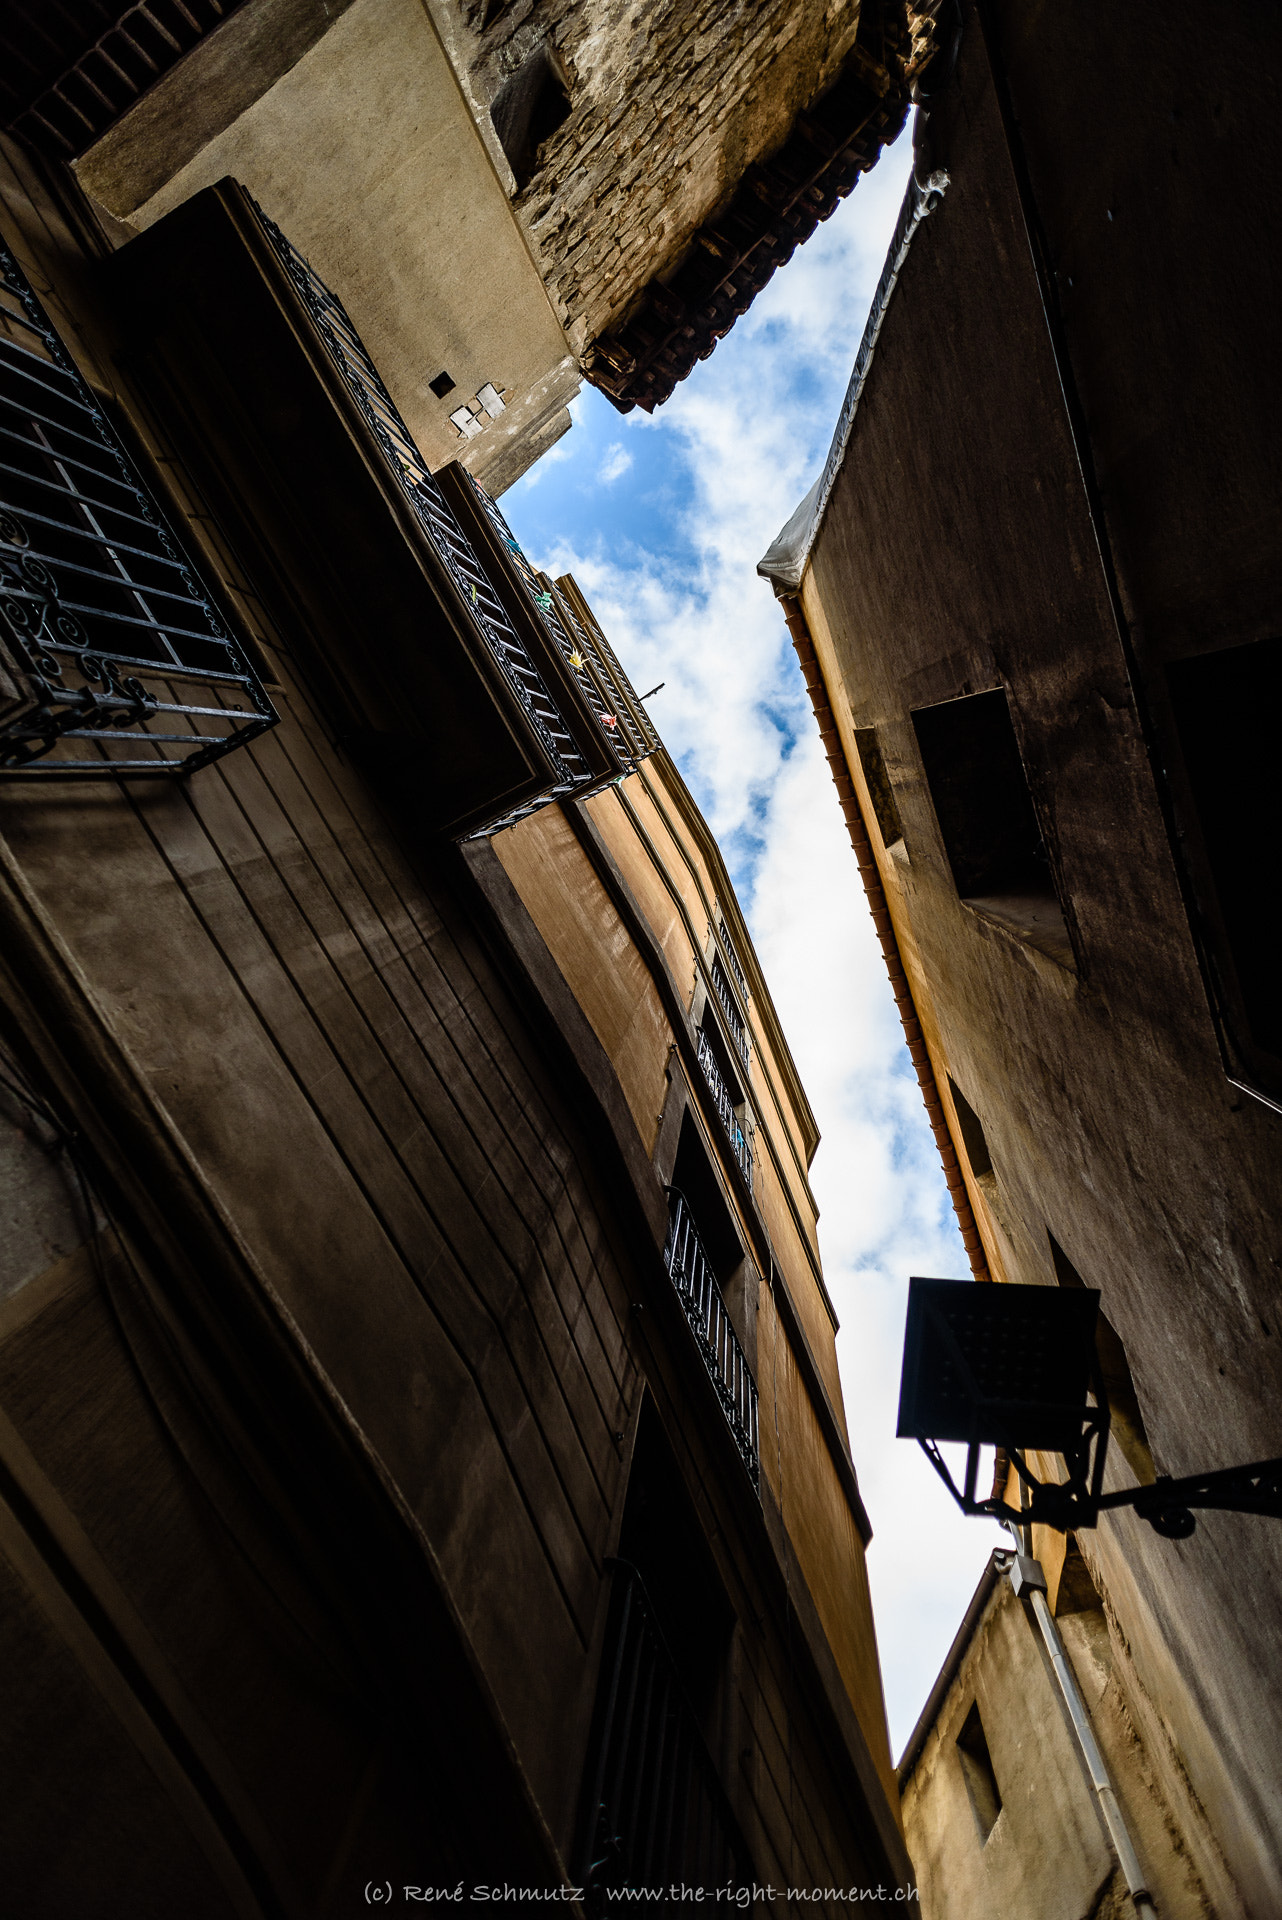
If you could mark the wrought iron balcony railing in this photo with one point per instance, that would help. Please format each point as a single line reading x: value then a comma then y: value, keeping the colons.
x: 604, y: 685
x: 705, y: 1309
x: 433, y: 511
x: 725, y: 1105
x: 733, y: 958
x: 729, y: 1006
x: 113, y: 659
x: 657, y: 1812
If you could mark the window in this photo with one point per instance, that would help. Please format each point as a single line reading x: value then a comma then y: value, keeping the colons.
x: 113, y: 657
x: 1224, y: 706
x: 880, y: 791
x: 987, y: 819
x: 730, y: 1007
x: 977, y: 1770
x: 714, y: 1058
x: 1126, y: 1422
x: 527, y: 110
x: 736, y: 966
x: 972, y: 1132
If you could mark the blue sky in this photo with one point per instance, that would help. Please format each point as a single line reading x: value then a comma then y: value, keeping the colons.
x: 662, y: 520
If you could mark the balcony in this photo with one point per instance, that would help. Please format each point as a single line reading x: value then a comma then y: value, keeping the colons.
x: 705, y: 1310
x: 730, y: 1007
x: 449, y: 693
x: 561, y: 630
x: 656, y: 1809
x: 725, y: 1105
x: 113, y: 659
x: 733, y: 958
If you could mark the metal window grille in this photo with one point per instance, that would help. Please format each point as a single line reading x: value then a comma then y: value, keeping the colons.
x: 71, y: 67
x: 725, y: 1105
x: 112, y: 657
x: 729, y: 1006
x: 434, y: 514
x: 735, y: 968
x: 657, y: 1810
x: 705, y: 1309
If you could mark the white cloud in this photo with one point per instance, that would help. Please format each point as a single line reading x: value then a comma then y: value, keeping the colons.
x: 617, y: 462
x: 739, y: 443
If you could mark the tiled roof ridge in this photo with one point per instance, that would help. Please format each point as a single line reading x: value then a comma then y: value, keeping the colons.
x: 778, y: 203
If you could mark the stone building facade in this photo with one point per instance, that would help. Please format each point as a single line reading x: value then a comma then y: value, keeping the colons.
x: 422, y: 1460
x: 1034, y: 597
x: 999, y: 1812
x: 519, y: 179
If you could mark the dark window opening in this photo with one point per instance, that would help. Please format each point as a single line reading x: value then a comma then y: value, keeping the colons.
x: 730, y: 1007
x: 727, y: 1091
x: 972, y: 1132
x: 977, y: 1768
x: 527, y: 110
x: 725, y: 1059
x: 653, y: 1804
x: 986, y: 817
x: 441, y: 385
x: 662, y: 1539
x: 1225, y: 706
x: 1126, y: 1421
x: 880, y: 791
x: 1077, y: 1592
x: 693, y: 1176
x: 718, y: 1289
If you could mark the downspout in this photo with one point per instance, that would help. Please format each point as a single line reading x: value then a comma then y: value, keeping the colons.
x: 1027, y: 1579
x: 869, y: 874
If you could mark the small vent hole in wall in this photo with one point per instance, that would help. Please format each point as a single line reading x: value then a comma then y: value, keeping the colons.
x: 977, y: 1767
x: 441, y: 385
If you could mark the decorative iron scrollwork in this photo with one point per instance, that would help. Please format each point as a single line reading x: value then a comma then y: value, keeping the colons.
x: 112, y: 657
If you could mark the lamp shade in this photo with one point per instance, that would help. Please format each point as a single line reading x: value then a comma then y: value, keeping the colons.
x: 996, y: 1364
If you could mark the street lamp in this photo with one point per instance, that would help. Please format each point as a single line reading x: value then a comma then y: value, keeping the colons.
x: 1015, y: 1367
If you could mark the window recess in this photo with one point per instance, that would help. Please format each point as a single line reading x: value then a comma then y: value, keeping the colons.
x: 728, y: 948
x: 880, y: 791
x: 527, y: 110
x: 730, y: 1007
x: 987, y: 819
x: 1224, y: 706
x: 977, y: 1770
x: 725, y: 1091
x: 691, y: 1270
x: 268, y: 391
x: 113, y: 657
x: 653, y: 1806
x: 1126, y: 1421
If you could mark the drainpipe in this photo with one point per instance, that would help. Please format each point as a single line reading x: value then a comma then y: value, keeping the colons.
x: 1027, y: 1578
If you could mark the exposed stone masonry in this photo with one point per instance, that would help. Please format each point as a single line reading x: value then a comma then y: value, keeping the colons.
x: 670, y: 102
x: 704, y: 141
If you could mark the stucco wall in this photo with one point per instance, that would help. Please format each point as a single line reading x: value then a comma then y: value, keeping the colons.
x: 1048, y: 1856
